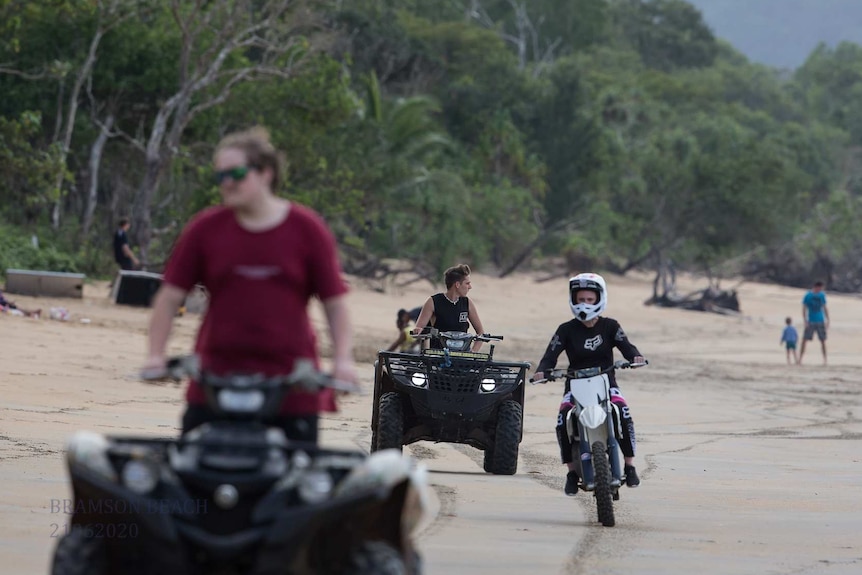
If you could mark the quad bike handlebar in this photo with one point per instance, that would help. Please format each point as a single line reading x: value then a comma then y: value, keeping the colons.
x: 556, y: 374
x: 434, y: 332
x: 304, y: 376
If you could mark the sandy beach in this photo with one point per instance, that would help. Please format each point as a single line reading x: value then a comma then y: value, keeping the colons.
x: 749, y: 466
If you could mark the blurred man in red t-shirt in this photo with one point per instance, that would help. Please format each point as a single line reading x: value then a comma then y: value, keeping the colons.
x: 261, y: 258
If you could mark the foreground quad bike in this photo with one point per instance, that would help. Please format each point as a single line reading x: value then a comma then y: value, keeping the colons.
x: 451, y: 395
x: 594, y: 426
x: 235, y: 496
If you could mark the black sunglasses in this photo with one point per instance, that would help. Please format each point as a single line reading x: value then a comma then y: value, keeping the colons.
x: 236, y: 174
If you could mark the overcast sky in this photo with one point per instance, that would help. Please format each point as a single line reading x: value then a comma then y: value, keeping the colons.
x: 782, y: 33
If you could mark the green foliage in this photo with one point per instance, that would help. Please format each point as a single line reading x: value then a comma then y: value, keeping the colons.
x: 18, y: 252
x: 27, y: 171
x: 830, y: 85
x: 668, y: 34
x: 431, y: 132
x: 833, y: 228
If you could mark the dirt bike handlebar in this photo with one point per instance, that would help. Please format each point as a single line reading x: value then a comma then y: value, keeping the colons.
x: 556, y: 374
x: 304, y: 376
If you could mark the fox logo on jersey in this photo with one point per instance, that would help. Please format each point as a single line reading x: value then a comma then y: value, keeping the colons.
x: 593, y: 343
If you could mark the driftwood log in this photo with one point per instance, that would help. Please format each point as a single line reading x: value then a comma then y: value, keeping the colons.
x: 711, y: 299
x: 725, y: 302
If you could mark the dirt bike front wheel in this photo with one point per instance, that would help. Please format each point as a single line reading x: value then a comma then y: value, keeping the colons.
x: 604, y: 492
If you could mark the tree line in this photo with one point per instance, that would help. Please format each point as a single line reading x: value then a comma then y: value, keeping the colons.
x: 616, y: 134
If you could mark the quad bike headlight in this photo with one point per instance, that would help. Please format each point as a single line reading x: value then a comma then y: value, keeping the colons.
x: 226, y: 496
x: 419, y: 379
x: 139, y: 476
x: 241, y: 401
x: 488, y: 384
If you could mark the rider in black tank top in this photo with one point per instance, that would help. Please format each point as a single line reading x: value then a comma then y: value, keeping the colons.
x: 451, y: 310
x: 450, y: 316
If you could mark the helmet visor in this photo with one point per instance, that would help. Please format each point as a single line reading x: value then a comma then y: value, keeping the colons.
x: 577, y: 285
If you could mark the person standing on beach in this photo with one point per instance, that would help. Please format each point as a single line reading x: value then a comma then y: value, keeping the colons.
x: 816, y: 317
x: 123, y: 254
x: 789, y: 337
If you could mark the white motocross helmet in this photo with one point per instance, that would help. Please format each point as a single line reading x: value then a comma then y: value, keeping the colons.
x: 592, y: 282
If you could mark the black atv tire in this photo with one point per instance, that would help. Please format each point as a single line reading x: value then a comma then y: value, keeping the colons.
x: 77, y: 554
x: 487, y: 460
x: 390, y: 422
x: 604, y: 493
x: 504, y: 460
x: 376, y: 558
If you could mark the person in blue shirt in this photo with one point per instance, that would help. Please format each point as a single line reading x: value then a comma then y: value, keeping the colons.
x: 789, y: 337
x: 816, y: 316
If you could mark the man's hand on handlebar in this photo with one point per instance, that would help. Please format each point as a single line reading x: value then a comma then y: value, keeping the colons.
x: 159, y: 369
x: 155, y: 370
x: 345, y: 379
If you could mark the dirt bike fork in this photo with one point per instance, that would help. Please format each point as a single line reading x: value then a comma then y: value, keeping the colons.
x: 614, y: 456
x: 585, y: 449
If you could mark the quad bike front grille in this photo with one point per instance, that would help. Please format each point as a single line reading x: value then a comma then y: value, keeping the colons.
x: 454, y: 374
x: 454, y: 380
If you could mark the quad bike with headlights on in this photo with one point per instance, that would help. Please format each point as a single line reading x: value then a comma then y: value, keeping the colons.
x: 236, y: 496
x: 451, y: 395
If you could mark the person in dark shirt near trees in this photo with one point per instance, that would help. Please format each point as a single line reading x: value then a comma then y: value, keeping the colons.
x: 589, y: 341
x: 122, y: 252
x: 262, y: 259
x: 451, y: 310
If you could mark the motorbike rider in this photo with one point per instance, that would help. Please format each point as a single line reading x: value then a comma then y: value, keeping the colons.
x: 589, y: 341
x: 451, y: 310
x: 262, y: 259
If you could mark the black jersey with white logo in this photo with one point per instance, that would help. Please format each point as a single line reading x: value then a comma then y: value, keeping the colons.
x: 450, y: 316
x: 588, y: 346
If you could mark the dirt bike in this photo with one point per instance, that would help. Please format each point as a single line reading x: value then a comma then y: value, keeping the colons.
x: 236, y: 496
x: 594, y: 426
x: 451, y: 395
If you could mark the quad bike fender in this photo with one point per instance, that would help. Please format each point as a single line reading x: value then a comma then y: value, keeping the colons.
x: 384, y: 471
x: 376, y: 399
x: 382, y: 384
x: 89, y: 450
x: 95, y: 481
